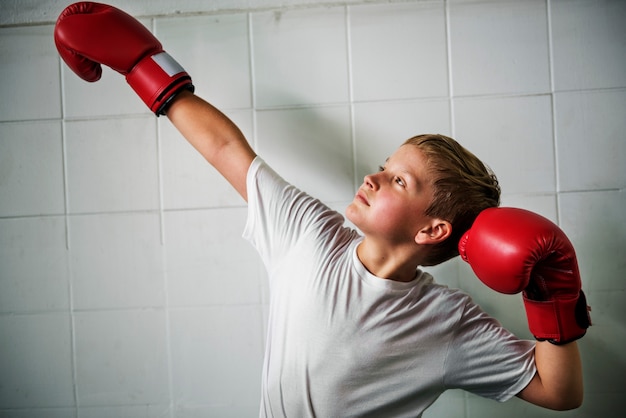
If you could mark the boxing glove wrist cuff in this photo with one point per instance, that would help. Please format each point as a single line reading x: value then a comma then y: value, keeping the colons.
x: 558, y: 321
x: 157, y: 79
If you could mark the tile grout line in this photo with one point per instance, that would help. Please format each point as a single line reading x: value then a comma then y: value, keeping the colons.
x: 355, y: 173
x: 553, y: 115
x: 165, y: 280
x: 446, y: 20
x: 251, y: 62
x: 68, y: 264
x: 451, y: 107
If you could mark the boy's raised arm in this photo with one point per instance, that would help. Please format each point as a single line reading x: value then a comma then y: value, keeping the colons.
x: 89, y: 34
x: 210, y: 132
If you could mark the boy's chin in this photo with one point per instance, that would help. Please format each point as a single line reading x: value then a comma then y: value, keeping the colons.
x: 349, y: 213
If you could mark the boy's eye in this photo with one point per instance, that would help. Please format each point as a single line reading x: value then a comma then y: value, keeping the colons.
x: 398, y: 180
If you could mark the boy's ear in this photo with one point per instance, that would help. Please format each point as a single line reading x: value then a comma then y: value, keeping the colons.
x: 435, y: 232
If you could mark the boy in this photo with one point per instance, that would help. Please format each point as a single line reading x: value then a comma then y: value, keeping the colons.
x: 355, y: 328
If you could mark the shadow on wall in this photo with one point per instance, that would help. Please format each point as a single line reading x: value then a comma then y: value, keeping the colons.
x: 603, y: 347
x: 310, y: 146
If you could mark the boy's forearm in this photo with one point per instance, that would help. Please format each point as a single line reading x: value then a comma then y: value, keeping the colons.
x: 560, y: 370
x: 214, y: 136
x: 559, y: 380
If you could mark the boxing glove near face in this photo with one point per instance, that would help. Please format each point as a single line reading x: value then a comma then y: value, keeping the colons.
x: 514, y: 250
x: 88, y: 34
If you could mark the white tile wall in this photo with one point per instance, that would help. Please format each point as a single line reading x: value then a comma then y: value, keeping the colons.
x: 215, y: 50
x: 520, y: 153
x: 601, y: 238
x: 125, y: 286
x: 603, y: 353
x: 36, y: 361
x: 207, y: 260
x: 216, y: 361
x: 40, y: 413
x: 116, y: 261
x: 138, y: 411
x: 35, y: 275
x: 29, y: 185
x: 588, y: 38
x: 112, y: 165
x: 499, y: 47
x: 546, y: 205
x: 587, y: 129
x: 300, y: 57
x: 29, y: 68
x: 310, y: 146
x: 121, y: 358
x: 415, y: 65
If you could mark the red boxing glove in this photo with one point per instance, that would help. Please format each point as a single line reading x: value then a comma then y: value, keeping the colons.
x: 89, y: 34
x: 513, y: 250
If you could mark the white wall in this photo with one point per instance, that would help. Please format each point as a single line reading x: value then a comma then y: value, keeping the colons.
x: 125, y: 287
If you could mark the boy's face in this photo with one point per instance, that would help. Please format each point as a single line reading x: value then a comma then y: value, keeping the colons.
x: 391, y: 203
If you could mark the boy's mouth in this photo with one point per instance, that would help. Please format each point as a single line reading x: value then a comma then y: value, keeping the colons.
x: 362, y: 198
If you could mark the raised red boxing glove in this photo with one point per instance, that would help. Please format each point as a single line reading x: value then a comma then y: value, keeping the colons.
x: 514, y: 250
x: 89, y: 34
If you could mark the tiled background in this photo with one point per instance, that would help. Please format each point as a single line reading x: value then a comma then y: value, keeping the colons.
x: 126, y: 289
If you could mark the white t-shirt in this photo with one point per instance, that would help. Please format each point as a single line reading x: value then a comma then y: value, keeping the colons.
x: 344, y: 343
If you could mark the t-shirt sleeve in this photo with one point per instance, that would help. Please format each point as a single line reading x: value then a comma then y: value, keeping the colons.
x: 279, y: 214
x: 486, y: 359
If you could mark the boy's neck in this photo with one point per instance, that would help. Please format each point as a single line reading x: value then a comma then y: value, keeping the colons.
x: 391, y: 263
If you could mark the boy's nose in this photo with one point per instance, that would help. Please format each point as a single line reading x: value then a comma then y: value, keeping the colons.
x: 370, y: 182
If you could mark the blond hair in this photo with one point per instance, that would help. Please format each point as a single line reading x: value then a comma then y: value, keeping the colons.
x: 463, y: 186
